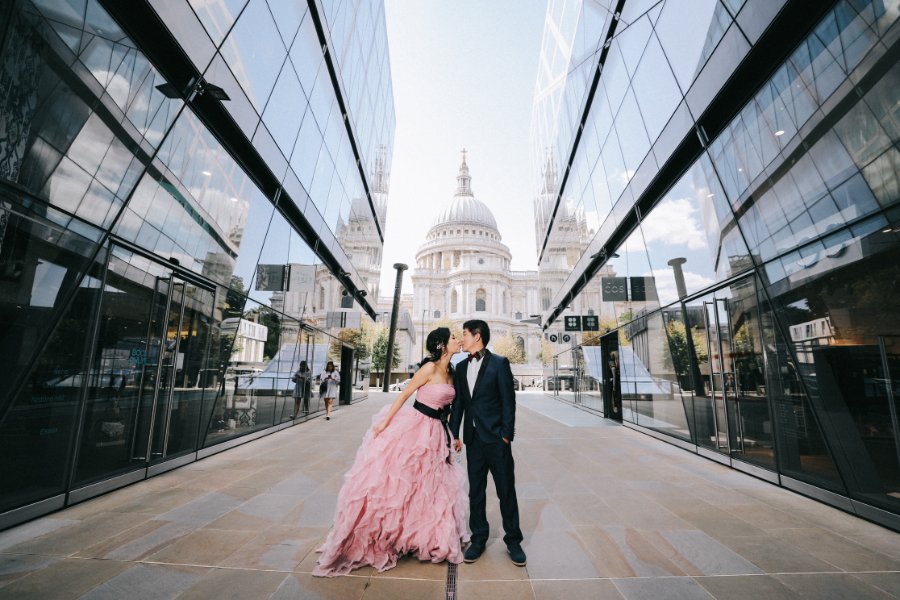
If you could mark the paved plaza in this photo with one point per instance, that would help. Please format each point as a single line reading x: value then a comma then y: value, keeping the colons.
x: 607, y: 512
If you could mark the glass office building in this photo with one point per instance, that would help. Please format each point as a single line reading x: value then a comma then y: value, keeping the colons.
x: 736, y: 168
x: 167, y: 169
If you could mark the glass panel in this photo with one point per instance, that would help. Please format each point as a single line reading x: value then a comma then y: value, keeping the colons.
x: 45, y: 368
x: 255, y: 52
x: 691, y: 237
x: 743, y: 385
x: 802, y: 452
x: 218, y: 17
x: 285, y: 109
x: 658, y: 346
x: 836, y: 324
x: 655, y: 89
x: 710, y: 424
x: 685, y: 51
x: 184, y: 377
x: 123, y: 372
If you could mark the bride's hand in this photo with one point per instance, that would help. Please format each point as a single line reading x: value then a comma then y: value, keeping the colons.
x: 379, y: 428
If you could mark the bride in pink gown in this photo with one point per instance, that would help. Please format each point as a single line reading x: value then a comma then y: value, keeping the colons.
x: 404, y: 494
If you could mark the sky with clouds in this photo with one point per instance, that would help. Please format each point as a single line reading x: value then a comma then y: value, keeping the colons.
x: 463, y: 76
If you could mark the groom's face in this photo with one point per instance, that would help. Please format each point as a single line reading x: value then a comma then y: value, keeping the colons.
x: 469, y: 341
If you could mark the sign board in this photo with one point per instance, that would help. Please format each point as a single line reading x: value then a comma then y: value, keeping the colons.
x: 270, y: 278
x: 590, y: 323
x: 559, y: 338
x: 302, y: 278
x: 572, y: 323
x: 614, y: 289
x: 643, y: 288
x: 342, y: 319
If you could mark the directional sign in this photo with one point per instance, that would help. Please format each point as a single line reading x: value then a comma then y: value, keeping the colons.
x: 590, y: 323
x: 573, y: 323
x: 270, y: 278
x: 614, y: 289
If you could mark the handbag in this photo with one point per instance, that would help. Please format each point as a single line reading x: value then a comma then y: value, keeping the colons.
x: 323, y: 387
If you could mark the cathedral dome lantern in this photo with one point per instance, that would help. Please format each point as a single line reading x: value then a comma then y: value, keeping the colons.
x: 464, y: 208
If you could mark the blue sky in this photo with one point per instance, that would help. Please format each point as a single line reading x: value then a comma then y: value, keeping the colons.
x: 463, y: 73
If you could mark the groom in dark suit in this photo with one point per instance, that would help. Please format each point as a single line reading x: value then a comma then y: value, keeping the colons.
x: 485, y: 405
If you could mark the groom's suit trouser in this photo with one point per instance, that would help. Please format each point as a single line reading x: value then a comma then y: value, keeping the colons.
x: 496, y: 458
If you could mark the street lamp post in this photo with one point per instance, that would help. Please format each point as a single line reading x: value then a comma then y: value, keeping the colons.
x: 424, y: 312
x: 388, y: 362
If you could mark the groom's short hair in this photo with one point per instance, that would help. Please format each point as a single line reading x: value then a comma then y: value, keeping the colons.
x: 478, y: 326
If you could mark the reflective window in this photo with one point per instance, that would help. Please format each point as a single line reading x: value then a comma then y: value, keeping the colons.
x: 685, y: 52
x: 285, y: 109
x: 48, y: 292
x: 691, y: 237
x: 731, y: 409
x: 287, y: 16
x: 632, y: 135
x: 218, y: 17
x: 655, y: 89
x: 255, y: 52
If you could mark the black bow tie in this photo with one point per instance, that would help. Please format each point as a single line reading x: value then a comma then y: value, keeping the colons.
x: 476, y: 355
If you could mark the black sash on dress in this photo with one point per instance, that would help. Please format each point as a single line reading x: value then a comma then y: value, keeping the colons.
x: 440, y: 415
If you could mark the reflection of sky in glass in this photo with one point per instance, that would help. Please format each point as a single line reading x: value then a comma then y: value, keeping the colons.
x: 254, y: 52
x: 217, y: 16
x: 254, y: 235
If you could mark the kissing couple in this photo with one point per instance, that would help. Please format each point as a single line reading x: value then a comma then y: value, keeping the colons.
x: 404, y: 493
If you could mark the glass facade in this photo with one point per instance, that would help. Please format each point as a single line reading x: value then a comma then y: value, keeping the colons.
x: 168, y: 172
x: 739, y: 201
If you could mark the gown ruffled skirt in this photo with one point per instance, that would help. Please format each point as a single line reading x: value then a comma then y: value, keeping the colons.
x: 401, y: 495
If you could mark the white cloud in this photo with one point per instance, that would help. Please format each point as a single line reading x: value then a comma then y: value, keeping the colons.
x: 675, y: 222
x: 665, y: 284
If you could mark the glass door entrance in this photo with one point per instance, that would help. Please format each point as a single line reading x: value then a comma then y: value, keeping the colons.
x: 149, y: 374
x: 731, y: 412
x: 171, y: 390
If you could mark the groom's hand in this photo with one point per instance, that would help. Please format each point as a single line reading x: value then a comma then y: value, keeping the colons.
x: 457, y: 445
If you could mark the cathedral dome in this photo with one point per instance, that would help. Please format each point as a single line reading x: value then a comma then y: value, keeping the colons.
x: 468, y: 210
x: 465, y: 208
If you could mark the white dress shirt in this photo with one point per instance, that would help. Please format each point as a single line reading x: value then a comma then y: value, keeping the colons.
x: 472, y: 373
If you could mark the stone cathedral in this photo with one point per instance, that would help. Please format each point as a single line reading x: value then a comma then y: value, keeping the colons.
x: 462, y: 272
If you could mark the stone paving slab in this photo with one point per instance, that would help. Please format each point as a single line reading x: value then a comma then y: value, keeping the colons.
x: 607, y: 512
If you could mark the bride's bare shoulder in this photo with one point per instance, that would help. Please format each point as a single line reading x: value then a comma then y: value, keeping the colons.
x: 427, y: 369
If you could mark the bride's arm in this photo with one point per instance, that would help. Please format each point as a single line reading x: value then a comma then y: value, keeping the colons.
x: 419, y: 379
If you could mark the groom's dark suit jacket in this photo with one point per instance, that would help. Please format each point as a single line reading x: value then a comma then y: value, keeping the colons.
x: 493, y: 411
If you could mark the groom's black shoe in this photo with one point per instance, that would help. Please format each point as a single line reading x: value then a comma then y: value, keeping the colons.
x: 473, y: 552
x: 516, y: 554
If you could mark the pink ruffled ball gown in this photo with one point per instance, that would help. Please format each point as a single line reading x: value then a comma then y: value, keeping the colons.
x: 401, y: 495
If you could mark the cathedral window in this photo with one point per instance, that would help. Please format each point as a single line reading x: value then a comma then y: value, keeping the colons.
x: 480, y: 300
x: 454, y: 304
x: 437, y: 314
x: 545, y: 298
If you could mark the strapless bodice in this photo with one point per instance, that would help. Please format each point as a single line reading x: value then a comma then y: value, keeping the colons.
x: 436, y: 395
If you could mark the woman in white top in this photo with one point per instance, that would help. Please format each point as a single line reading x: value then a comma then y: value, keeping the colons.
x: 331, y: 382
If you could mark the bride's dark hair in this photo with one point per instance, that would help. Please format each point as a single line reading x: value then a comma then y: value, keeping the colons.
x: 435, y: 343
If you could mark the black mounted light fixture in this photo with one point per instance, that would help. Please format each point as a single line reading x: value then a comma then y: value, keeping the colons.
x: 602, y: 255
x: 168, y: 90
x: 213, y: 91
x: 194, y: 88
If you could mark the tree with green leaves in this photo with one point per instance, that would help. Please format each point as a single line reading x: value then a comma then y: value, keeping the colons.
x: 272, y: 321
x: 678, y: 346
x: 379, y: 352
